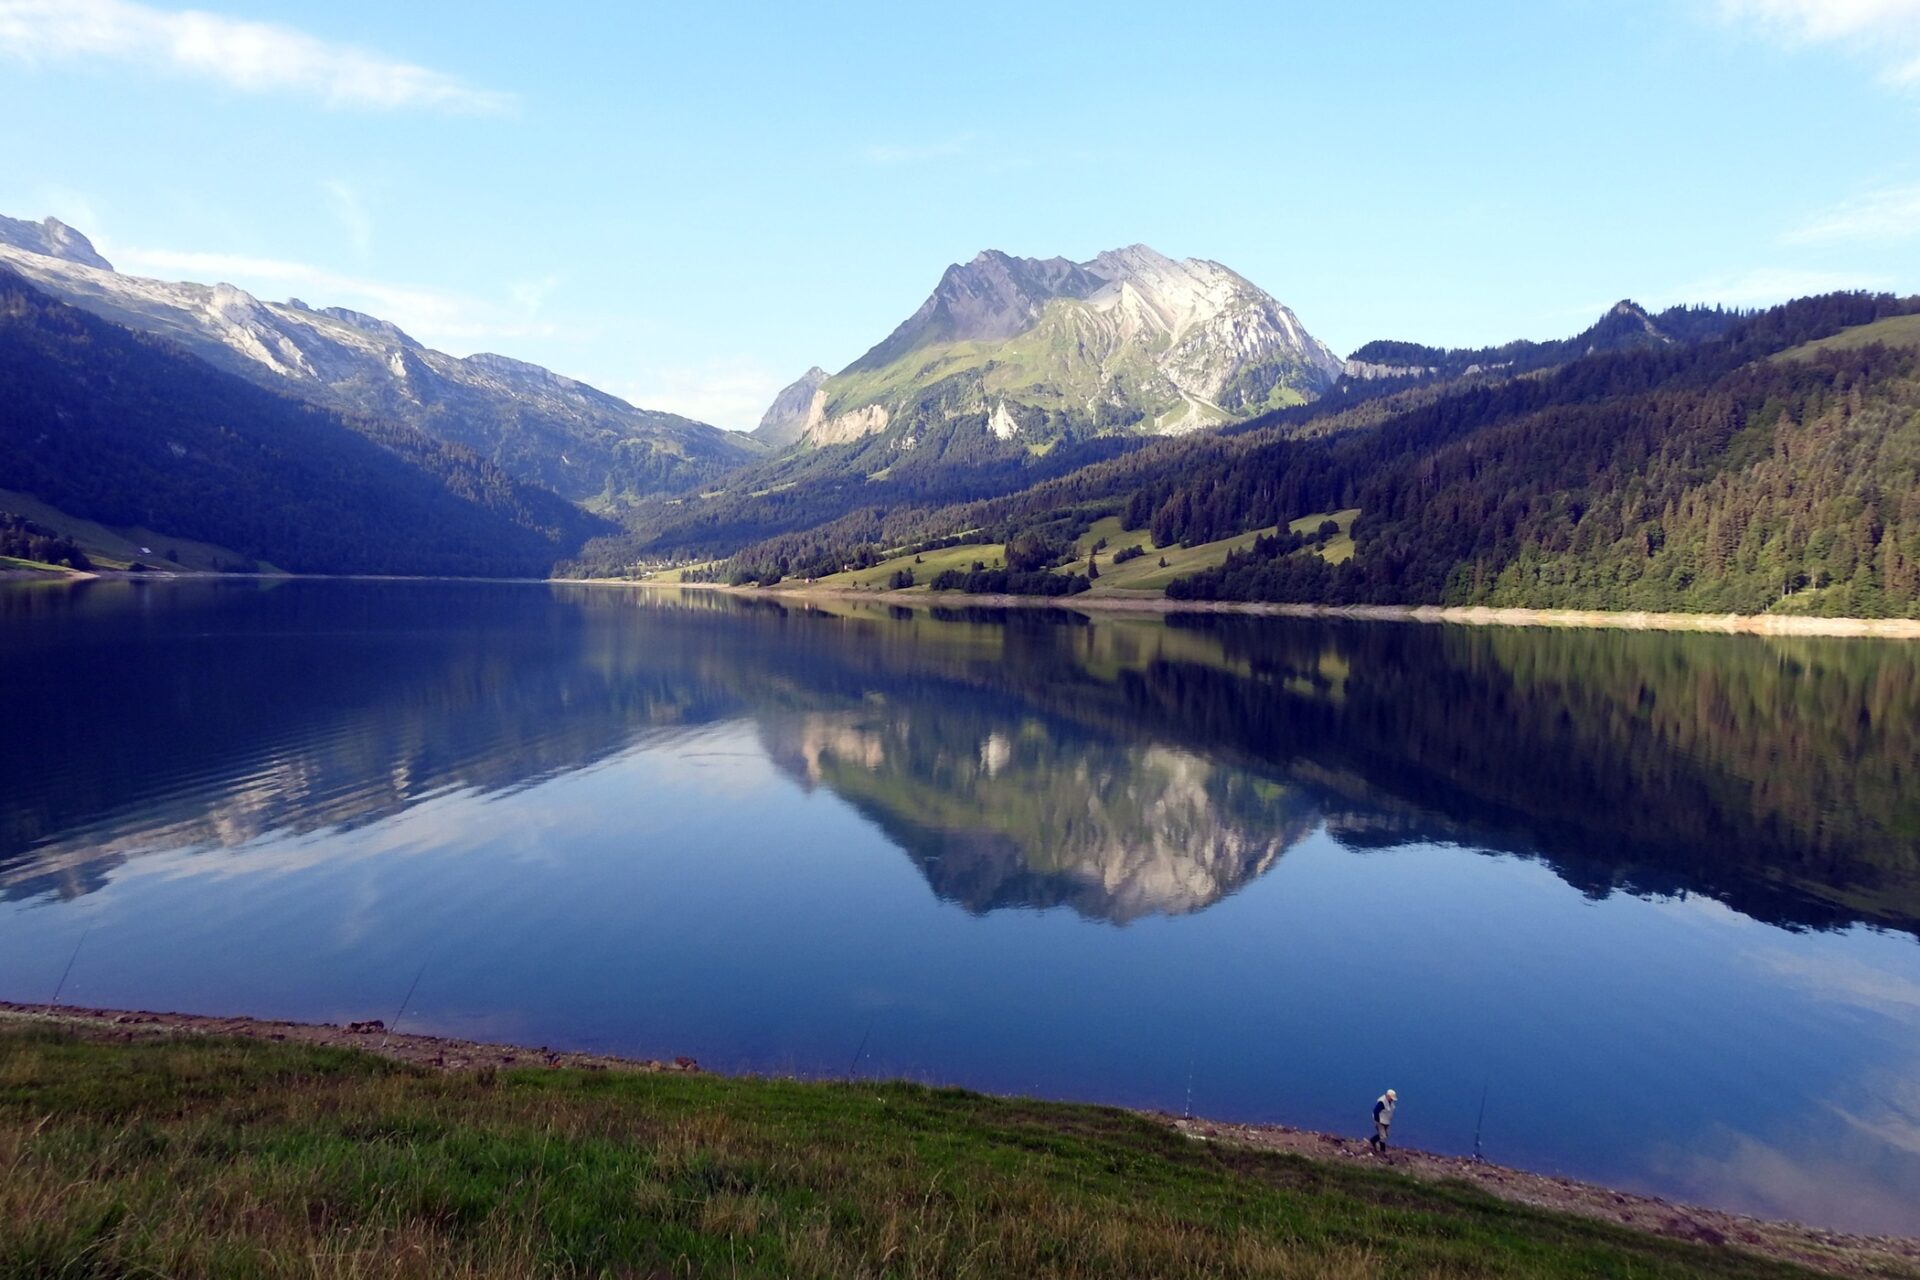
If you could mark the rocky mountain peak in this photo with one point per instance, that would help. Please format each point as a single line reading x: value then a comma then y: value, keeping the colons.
x: 991, y: 298
x: 1130, y: 340
x: 1626, y: 323
x: 51, y: 238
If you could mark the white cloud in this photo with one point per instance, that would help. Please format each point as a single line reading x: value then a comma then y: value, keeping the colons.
x: 1884, y: 31
x: 436, y: 317
x: 250, y: 56
x: 532, y: 295
x: 1884, y: 216
x: 1764, y: 286
x: 730, y: 393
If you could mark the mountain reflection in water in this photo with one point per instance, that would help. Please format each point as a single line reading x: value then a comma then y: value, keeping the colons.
x: 1020, y: 759
x: 1262, y: 867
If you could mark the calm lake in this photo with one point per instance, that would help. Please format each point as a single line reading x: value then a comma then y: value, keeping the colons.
x: 1655, y: 899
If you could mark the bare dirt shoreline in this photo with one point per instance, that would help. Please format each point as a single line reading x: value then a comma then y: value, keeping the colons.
x: 1836, y: 1253
x: 1722, y: 623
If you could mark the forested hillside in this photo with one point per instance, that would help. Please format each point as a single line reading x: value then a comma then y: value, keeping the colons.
x: 125, y: 429
x: 1707, y: 479
x: 1730, y: 473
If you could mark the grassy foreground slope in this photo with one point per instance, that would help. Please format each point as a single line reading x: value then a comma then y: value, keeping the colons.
x: 197, y: 1157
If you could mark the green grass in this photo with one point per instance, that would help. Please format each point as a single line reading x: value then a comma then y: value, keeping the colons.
x: 1144, y: 574
x: 1064, y: 360
x: 1338, y: 549
x: 242, y: 1158
x: 15, y: 562
x: 111, y: 548
x: 679, y: 575
x: 931, y: 564
x: 1894, y: 331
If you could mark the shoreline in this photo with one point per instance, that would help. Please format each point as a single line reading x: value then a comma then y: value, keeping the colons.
x: 1834, y: 1252
x: 1763, y: 624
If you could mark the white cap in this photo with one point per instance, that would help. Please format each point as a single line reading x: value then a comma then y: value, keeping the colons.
x: 1393, y: 1095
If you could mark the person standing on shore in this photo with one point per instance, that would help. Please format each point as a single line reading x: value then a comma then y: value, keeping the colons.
x: 1383, y: 1119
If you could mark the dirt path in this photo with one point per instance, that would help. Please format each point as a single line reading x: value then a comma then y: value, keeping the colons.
x: 1832, y: 1252
x: 370, y: 1037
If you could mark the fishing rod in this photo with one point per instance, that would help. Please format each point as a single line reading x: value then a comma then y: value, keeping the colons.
x: 863, y: 1044
x: 404, y: 1000
x: 58, y: 986
x: 1481, y: 1122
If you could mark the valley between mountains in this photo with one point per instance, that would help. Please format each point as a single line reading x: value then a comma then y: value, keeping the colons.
x: 1133, y: 426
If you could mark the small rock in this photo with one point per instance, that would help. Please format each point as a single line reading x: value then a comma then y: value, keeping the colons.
x: 366, y: 1028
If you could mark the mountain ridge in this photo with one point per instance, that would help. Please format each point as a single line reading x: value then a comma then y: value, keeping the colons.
x: 540, y: 426
x: 107, y: 424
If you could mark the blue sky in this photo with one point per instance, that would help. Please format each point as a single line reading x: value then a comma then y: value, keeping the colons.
x: 690, y: 204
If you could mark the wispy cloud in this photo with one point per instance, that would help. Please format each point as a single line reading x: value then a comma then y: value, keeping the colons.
x: 916, y: 152
x: 254, y: 57
x: 1884, y: 31
x: 1881, y: 217
x: 436, y: 317
x: 1764, y: 286
x: 531, y: 295
x: 729, y: 393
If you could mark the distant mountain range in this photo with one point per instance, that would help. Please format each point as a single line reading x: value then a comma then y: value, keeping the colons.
x: 1039, y: 410
x: 101, y: 424
x: 586, y: 445
x: 1032, y: 350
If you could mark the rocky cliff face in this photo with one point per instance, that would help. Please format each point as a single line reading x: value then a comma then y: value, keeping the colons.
x: 792, y: 411
x: 51, y: 238
x: 538, y: 426
x: 1038, y: 349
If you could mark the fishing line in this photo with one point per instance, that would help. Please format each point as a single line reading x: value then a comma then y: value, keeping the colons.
x: 863, y: 1044
x: 1481, y: 1122
x: 69, y: 969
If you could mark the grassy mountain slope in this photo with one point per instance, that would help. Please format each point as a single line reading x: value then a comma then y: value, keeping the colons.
x: 128, y: 431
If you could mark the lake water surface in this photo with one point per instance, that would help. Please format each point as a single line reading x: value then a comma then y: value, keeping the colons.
x: 1655, y: 898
